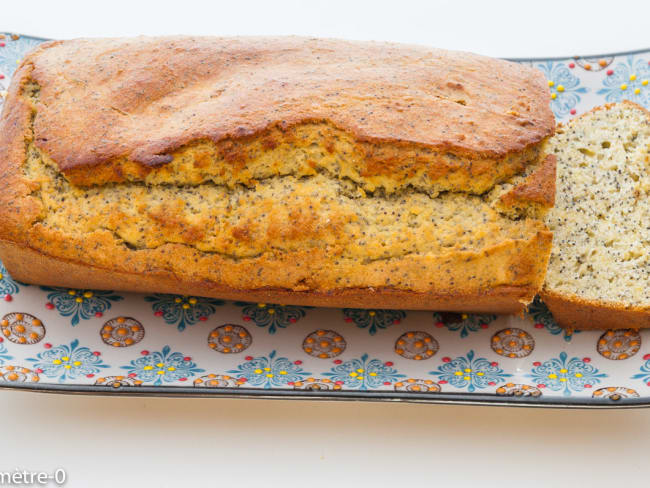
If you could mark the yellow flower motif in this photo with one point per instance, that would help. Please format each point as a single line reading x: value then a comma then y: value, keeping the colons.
x: 192, y: 301
x: 560, y: 88
x: 88, y: 294
x: 147, y: 368
x: 552, y: 376
x: 56, y: 361
x: 624, y: 86
x: 632, y: 77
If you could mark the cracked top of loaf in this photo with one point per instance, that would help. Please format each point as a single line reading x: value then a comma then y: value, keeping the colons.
x: 219, y: 165
x: 406, y: 113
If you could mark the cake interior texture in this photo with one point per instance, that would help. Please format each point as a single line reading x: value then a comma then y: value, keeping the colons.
x: 601, y: 219
x: 302, y: 192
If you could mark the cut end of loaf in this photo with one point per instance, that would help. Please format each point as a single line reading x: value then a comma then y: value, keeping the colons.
x: 601, y: 220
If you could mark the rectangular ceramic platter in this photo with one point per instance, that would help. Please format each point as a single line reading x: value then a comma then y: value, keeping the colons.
x: 100, y: 342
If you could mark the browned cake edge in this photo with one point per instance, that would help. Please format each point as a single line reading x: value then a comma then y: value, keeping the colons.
x: 578, y: 313
x: 29, y: 266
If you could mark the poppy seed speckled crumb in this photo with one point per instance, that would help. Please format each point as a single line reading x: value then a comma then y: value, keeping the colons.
x: 601, y: 220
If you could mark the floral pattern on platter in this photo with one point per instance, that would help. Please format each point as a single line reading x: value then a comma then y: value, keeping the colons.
x: 324, y: 344
x: 513, y: 343
x: 593, y: 63
x: 416, y: 345
x: 8, y: 286
x: 615, y: 393
x: 18, y: 374
x: 80, y: 304
x: 68, y: 361
x: 320, y: 351
x: 270, y: 371
x: 364, y: 374
x: 630, y: 80
x: 565, y: 375
x: 22, y: 328
x: 619, y: 344
x: 373, y: 320
x: 416, y: 385
x: 3, y: 354
x: 463, y: 322
x: 11, y: 54
x: 564, y: 86
x: 469, y: 372
x: 162, y: 367
x: 316, y: 384
x: 272, y: 316
x: 644, y: 375
x: 182, y: 311
x: 539, y: 313
x: 217, y: 381
x: 118, y: 381
x: 512, y: 389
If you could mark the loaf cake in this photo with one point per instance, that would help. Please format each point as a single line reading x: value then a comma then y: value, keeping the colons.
x: 290, y: 170
x: 599, y: 271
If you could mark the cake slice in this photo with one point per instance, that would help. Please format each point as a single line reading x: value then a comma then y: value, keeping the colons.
x: 599, y: 270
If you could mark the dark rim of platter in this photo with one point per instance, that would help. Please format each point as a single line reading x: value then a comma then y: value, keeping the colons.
x: 350, y: 395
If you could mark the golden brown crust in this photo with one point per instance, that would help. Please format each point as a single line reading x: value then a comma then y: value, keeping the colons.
x: 30, y: 266
x: 140, y: 99
x: 538, y: 187
x: 578, y: 313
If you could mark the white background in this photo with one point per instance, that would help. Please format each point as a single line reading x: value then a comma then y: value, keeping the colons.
x: 209, y: 442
